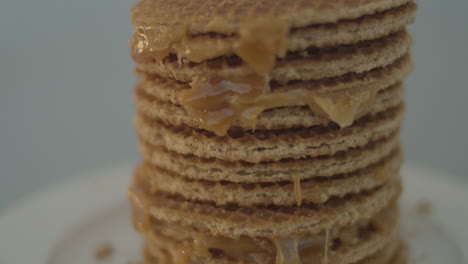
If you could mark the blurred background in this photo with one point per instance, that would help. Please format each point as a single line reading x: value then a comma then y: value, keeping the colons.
x: 66, y: 91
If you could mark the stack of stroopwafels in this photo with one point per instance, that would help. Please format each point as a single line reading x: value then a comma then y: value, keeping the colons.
x: 269, y: 130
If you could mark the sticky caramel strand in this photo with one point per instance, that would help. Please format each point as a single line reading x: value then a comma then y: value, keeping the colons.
x: 297, y: 187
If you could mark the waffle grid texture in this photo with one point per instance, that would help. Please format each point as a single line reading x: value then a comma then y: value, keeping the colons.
x: 245, y: 183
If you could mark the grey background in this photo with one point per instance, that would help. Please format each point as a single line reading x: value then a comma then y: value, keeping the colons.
x: 66, y: 81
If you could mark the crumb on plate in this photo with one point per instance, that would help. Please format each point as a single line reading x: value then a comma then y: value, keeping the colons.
x: 424, y: 207
x: 104, y: 251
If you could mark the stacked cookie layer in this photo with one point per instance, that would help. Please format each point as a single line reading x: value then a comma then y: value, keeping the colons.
x: 269, y: 130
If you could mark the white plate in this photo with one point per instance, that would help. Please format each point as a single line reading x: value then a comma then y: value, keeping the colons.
x: 66, y: 224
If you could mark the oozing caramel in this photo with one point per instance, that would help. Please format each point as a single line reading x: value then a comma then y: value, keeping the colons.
x: 287, y: 251
x: 297, y: 188
x: 218, y: 104
x: 185, y: 254
x: 292, y: 250
x: 154, y: 43
x: 260, y: 41
x: 140, y: 210
x: 325, y: 254
x: 248, y: 250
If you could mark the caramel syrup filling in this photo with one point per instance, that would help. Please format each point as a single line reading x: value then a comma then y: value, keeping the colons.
x: 260, y: 42
x: 297, y: 188
x: 293, y: 250
x: 325, y: 254
x: 140, y: 209
x: 146, y: 50
x: 219, y: 104
x: 287, y: 251
x: 245, y: 247
x: 154, y: 43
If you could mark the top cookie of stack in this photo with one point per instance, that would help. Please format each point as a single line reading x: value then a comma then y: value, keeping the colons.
x: 271, y: 124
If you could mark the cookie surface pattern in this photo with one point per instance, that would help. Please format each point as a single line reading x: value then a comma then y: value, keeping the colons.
x: 270, y: 145
x: 198, y: 48
x: 342, y: 162
x: 289, y: 193
x: 268, y: 221
x: 202, y: 16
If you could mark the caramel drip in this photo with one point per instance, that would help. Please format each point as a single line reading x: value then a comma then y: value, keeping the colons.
x: 140, y: 209
x: 343, y: 107
x: 297, y: 188
x: 154, y: 43
x: 197, y: 49
x: 313, y: 249
x: 261, y: 40
x: 325, y: 253
x: 219, y: 104
x: 287, y: 251
x: 246, y: 248
x: 349, y: 236
x: 185, y: 254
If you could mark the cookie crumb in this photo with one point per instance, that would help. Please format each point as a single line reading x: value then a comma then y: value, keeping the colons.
x: 104, y: 251
x: 424, y: 207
